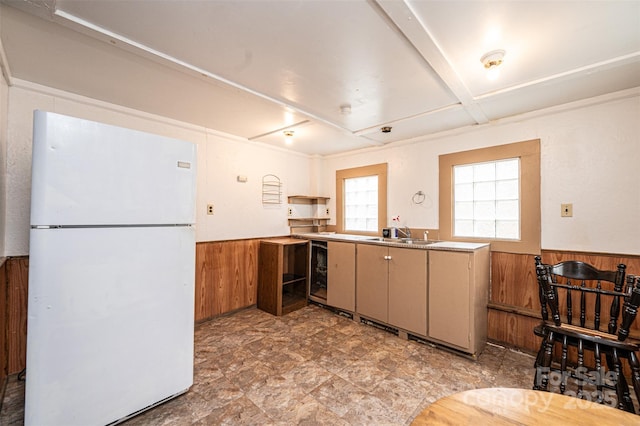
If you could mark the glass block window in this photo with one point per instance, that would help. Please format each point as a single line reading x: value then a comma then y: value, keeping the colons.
x: 487, y: 199
x: 361, y: 203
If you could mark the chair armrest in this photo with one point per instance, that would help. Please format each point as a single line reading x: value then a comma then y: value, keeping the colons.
x: 595, y: 336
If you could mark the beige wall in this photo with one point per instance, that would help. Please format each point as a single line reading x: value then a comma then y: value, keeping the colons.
x: 3, y: 158
x: 589, y: 157
x: 589, y: 153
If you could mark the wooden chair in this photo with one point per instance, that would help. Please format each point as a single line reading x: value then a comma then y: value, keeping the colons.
x: 561, y: 286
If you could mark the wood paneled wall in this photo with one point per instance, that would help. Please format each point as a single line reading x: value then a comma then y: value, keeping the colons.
x: 15, y: 310
x: 226, y: 280
x: 514, y: 305
x: 3, y: 322
x: 226, y: 277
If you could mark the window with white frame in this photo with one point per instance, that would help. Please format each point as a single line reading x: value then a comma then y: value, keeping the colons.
x: 361, y: 204
x: 487, y: 199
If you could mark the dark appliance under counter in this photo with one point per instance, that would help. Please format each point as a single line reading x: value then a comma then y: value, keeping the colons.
x: 318, y: 272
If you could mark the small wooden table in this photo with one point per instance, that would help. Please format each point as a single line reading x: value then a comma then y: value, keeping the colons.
x: 505, y: 406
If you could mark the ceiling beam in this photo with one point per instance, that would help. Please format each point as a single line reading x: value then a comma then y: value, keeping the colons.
x: 587, y: 69
x: 418, y: 35
x: 281, y: 129
x: 88, y: 28
x: 4, y: 65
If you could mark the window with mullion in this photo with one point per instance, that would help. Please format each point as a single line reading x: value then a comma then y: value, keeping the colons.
x: 361, y: 204
x: 486, y: 199
x: 361, y: 199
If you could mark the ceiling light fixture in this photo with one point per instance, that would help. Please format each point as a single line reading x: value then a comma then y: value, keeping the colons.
x: 491, y: 61
x: 386, y: 129
x: 288, y: 137
x: 345, y: 109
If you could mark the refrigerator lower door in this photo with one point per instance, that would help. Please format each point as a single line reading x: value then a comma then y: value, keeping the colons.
x: 110, y: 322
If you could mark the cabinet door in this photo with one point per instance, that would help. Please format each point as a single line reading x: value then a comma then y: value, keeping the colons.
x: 449, y: 308
x: 408, y: 289
x: 371, y: 281
x: 341, y: 275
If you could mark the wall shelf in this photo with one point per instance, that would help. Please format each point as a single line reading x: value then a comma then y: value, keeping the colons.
x: 308, y: 213
x: 271, y: 189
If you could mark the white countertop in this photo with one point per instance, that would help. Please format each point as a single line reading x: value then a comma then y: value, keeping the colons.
x: 455, y: 245
x: 334, y: 236
x: 439, y: 245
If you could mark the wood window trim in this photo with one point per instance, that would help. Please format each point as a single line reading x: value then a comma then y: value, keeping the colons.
x: 529, y: 154
x: 375, y: 169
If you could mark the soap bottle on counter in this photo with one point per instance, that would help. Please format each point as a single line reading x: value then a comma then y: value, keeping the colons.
x: 426, y: 236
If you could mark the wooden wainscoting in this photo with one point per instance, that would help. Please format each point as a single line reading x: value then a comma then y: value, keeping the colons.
x: 514, y: 305
x: 226, y: 280
x: 226, y: 276
x: 3, y: 322
x: 15, y: 314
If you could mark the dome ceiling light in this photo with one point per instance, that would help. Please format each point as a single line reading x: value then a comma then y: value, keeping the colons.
x: 288, y: 136
x: 492, y: 61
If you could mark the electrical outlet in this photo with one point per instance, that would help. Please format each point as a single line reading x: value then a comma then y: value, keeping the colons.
x: 566, y: 210
x: 290, y: 211
x: 327, y: 211
x: 209, y: 209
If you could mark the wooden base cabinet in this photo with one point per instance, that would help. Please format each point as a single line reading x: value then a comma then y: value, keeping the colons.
x: 392, y: 286
x: 408, y: 290
x: 341, y: 275
x: 283, y: 265
x: 372, y: 282
x: 458, y: 296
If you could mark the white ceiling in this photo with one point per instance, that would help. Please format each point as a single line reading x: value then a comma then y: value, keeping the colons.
x: 255, y: 68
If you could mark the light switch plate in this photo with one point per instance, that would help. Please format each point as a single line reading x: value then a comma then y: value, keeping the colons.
x: 566, y: 210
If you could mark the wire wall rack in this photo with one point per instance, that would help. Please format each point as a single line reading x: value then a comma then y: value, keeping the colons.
x: 271, y: 189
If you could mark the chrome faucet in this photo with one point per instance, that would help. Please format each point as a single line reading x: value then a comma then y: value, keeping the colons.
x: 406, y: 231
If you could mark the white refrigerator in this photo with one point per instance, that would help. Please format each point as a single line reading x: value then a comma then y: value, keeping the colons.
x: 111, y: 272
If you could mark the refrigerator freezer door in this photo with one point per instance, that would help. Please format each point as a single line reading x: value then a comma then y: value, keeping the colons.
x: 88, y: 173
x: 110, y: 322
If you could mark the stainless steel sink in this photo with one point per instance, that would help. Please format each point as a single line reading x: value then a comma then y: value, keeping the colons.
x: 415, y: 241
x: 385, y: 240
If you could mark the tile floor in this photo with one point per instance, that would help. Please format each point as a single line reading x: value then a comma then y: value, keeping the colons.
x: 313, y: 367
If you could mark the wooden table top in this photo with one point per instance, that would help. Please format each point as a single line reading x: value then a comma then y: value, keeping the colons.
x: 505, y: 406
